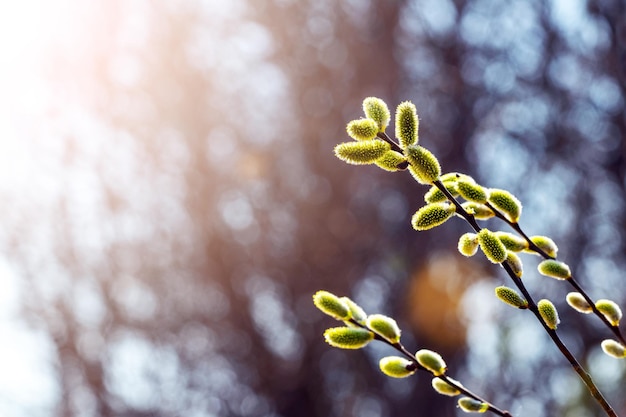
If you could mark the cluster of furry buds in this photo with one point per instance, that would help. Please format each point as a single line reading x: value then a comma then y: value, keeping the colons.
x: 450, y: 194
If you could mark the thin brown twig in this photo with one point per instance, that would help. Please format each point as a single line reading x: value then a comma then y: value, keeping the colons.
x: 400, y: 348
x: 532, y: 306
x: 572, y: 281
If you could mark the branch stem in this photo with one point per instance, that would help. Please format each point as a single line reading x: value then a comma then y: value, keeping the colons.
x: 578, y: 368
x: 400, y: 348
x: 572, y: 281
x: 386, y: 138
x: 532, y: 306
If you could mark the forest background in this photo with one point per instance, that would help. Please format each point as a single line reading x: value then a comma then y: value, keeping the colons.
x: 171, y: 201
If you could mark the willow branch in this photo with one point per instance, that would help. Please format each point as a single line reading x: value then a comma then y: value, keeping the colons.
x: 400, y: 348
x: 572, y: 281
x: 532, y: 306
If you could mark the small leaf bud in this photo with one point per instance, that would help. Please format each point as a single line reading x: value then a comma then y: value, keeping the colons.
x: 407, y: 124
x: 362, y: 129
x: 610, y: 310
x: 443, y: 388
x: 363, y: 152
x: 479, y: 211
x: 506, y: 202
x: 512, y: 242
x: 614, y: 348
x: 548, y: 313
x: 377, y: 110
x: 348, y: 337
x: 384, y: 326
x: 431, y: 361
x: 356, y: 312
x: 392, y: 161
x: 578, y: 302
x: 432, y: 215
x: 545, y: 244
x: 491, y: 246
x: 511, y: 297
x: 468, y: 244
x: 470, y: 405
x: 515, y: 263
x: 554, y: 269
x: 471, y: 191
x: 397, y: 367
x: 332, y: 305
x: 424, y: 166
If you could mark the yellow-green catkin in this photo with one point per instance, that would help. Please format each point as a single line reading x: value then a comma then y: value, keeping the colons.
x: 377, y: 110
x: 443, y: 388
x: 512, y: 242
x: 407, y: 124
x: 432, y: 215
x: 506, y: 203
x: 363, y: 152
x: 435, y: 195
x: 491, y: 246
x: 515, y: 263
x: 471, y: 191
x: 424, y: 166
x: 470, y: 405
x: 548, y: 313
x: 511, y: 297
x: 455, y: 176
x: 468, y: 244
x: 610, y: 310
x: 554, y: 269
x: 392, y: 161
x: 332, y: 305
x: 545, y: 244
x: 578, y: 302
x: 479, y: 211
x: 348, y: 337
x: 362, y: 129
x: 431, y: 361
x: 397, y: 367
x: 384, y: 326
x: 356, y: 312
x: 614, y: 348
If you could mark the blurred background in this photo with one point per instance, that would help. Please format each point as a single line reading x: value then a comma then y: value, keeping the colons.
x: 170, y: 202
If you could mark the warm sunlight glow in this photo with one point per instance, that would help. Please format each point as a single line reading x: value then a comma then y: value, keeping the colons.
x: 32, y: 32
x: 38, y: 39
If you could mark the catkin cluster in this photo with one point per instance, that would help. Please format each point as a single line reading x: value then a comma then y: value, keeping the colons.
x: 454, y: 194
